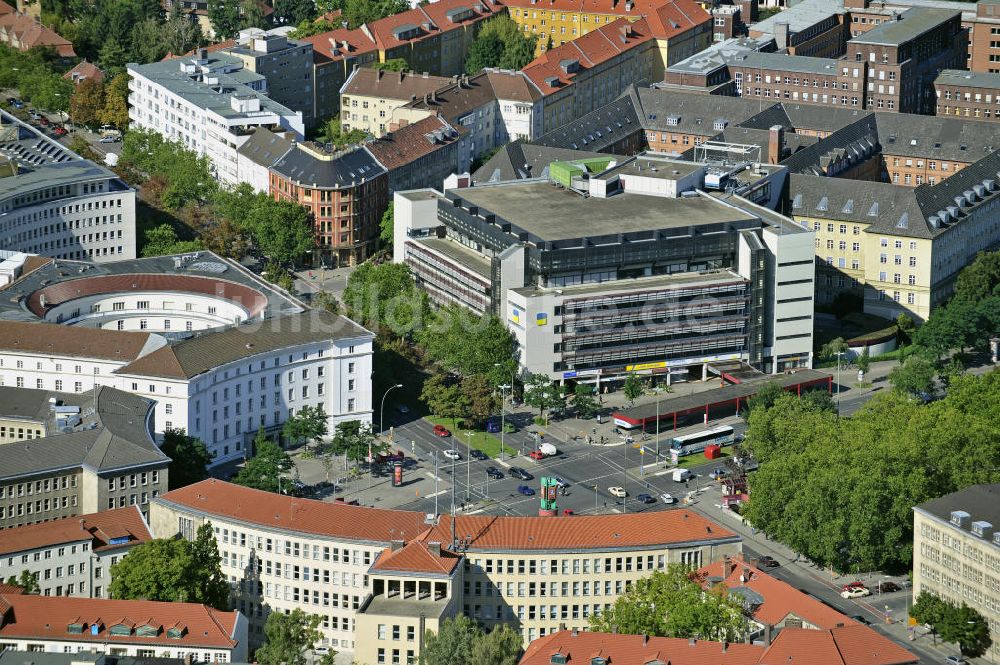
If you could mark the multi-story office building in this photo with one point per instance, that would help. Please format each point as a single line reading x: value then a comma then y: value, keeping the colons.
x: 708, y: 71
x: 816, y: 28
x: 72, y: 556
x: 904, y: 56
x: 209, y: 102
x: 378, y: 577
x: 335, y: 55
x: 67, y: 454
x: 221, y: 352
x: 417, y: 155
x: 137, y: 628
x: 798, y: 79
x: 345, y: 190
x: 956, y: 553
x: 369, y: 96
x: 54, y: 203
x: 967, y: 95
x: 582, y: 310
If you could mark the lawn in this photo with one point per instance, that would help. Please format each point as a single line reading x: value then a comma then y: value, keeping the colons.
x: 481, y: 440
x: 698, y: 459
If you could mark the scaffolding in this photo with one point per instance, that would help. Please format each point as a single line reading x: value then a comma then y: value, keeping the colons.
x: 728, y: 154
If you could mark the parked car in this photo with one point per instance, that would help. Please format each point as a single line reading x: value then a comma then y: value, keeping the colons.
x: 478, y: 455
x: 854, y: 584
x: 562, y: 484
x: 645, y: 498
x: 113, y: 139
x: 567, y: 512
x: 667, y: 498
x: 17, y: 103
x: 717, y: 473
x: 536, y: 455
x: 955, y: 660
x: 768, y: 562
x: 452, y: 454
x: 441, y: 430
x: 10, y: 101
x: 618, y: 492
x: 855, y: 592
x: 525, y: 490
x: 43, y: 121
x: 889, y: 587
x: 494, y: 473
x: 34, y: 115
x: 518, y: 472
x: 60, y: 131
x: 860, y: 619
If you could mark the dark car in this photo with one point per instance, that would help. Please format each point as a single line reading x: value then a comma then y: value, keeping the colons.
x: 525, y: 490
x: 10, y: 101
x: 645, y: 498
x: 768, y: 562
x: 494, y: 473
x: 492, y: 426
x: 889, y: 587
x: 478, y: 455
x: 518, y: 472
x: 860, y: 619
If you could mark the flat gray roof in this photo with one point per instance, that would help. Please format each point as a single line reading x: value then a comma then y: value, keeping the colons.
x: 396, y: 606
x: 801, y: 16
x: 912, y: 23
x: 542, y: 209
x: 788, y: 63
x: 663, y: 169
x: 970, y: 79
x: 721, y: 53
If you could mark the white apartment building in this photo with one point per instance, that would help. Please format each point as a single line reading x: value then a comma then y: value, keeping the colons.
x: 210, y: 103
x: 520, y: 104
x: 379, y: 577
x: 956, y: 553
x: 72, y: 556
x: 58, y: 204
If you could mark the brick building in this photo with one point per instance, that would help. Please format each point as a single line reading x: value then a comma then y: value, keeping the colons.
x: 967, y: 95
x: 817, y: 28
x: 346, y: 193
x: 903, y: 57
x: 799, y: 79
x: 418, y: 155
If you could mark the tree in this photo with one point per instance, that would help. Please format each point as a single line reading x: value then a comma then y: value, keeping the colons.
x: 356, y: 12
x: 252, y: 14
x: 293, y: 12
x: 466, y: 342
x: 968, y: 628
x: 172, y: 570
x: 86, y: 103
x: 112, y: 55
x: 500, y: 646
x: 326, y: 301
x: 115, y: 111
x: 392, y: 65
x: 280, y: 229
x: 930, y: 610
x: 500, y: 43
x: 225, y: 17
x: 541, y: 393
x: 332, y: 132
x: 480, y: 399
x: 263, y: 470
x: 914, y: 376
x: 386, y: 229
x: 355, y: 440
x: 486, y: 51
x: 445, y: 398
x: 864, y: 361
x: 453, y: 643
x: 162, y: 240
x: 584, y: 400
x: 633, y: 387
x: 833, y: 347
x: 979, y: 279
x: 307, y: 424
x: 764, y: 398
x: 27, y: 581
x: 188, y: 455
x: 904, y: 328
x: 287, y: 637
x: 384, y: 296
x: 670, y: 604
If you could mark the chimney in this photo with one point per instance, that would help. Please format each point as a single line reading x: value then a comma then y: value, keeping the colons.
x: 203, y: 54
x: 434, y: 96
x: 725, y: 647
x: 187, y: 659
x: 434, y: 547
x: 692, y: 641
x: 775, y: 143
x: 400, y: 77
x: 781, y: 35
x: 397, y: 545
x: 645, y: 639
x: 427, y: 98
x: 575, y: 632
x: 378, y: 74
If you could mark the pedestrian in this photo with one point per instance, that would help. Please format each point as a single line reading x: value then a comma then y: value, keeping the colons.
x: 753, y: 531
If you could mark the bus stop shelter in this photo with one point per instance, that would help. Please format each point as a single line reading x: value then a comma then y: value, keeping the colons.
x: 734, y: 396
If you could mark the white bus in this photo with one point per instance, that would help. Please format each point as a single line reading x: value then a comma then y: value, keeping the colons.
x: 695, y: 443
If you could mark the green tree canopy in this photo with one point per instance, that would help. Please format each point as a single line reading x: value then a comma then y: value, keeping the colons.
x: 262, y: 471
x: 467, y: 343
x: 188, y: 455
x: 287, y: 637
x: 392, y: 65
x: 354, y: 439
x: 584, y: 400
x: 185, y: 175
x: 670, y: 604
x: 386, y: 228
x: 293, y: 12
x: 914, y: 376
x: 384, y: 296
x: 162, y: 240
x: 500, y: 43
x: 86, y: 102
x: 633, y: 387
x: 306, y: 424
x: 173, y: 570
x: 452, y: 643
x: 27, y: 581
x: 541, y: 393
x: 331, y: 131
x: 960, y: 624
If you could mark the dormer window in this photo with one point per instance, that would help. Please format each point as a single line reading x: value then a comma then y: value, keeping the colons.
x: 75, y: 628
x: 121, y: 629
x: 147, y: 630
x: 175, y: 632
x: 558, y: 659
x: 673, y: 120
x: 598, y: 660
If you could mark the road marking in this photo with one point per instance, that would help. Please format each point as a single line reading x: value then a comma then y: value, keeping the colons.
x: 433, y: 477
x: 434, y: 494
x: 502, y: 463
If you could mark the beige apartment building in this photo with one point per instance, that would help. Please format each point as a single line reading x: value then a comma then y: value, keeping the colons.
x: 369, y: 96
x: 956, y: 553
x: 389, y: 575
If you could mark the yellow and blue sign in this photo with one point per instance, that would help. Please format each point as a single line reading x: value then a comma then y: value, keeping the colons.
x: 515, y: 315
x: 541, y: 318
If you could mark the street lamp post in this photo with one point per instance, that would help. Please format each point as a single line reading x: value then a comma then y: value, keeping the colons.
x: 625, y: 474
x: 381, y: 413
x: 436, y: 479
x: 502, y: 413
x: 839, y: 353
x: 468, y: 465
x: 657, y: 425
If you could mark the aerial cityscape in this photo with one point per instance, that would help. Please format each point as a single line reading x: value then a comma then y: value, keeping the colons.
x: 499, y: 332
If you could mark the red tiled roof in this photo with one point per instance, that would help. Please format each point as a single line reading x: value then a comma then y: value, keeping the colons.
x: 330, y: 45
x: 47, y: 617
x: 100, y: 528
x: 84, y: 70
x: 481, y: 532
x: 417, y: 557
x: 780, y: 599
x: 29, y: 32
x: 434, y: 13
x: 676, y: 17
x: 850, y: 645
x: 371, y: 82
x: 251, y: 299
x: 589, y: 50
x: 581, y: 647
x: 408, y: 143
x: 55, y: 339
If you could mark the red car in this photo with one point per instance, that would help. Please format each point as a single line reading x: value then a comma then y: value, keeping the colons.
x: 854, y: 585
x: 441, y: 430
x: 60, y: 131
x: 536, y: 455
x: 567, y: 512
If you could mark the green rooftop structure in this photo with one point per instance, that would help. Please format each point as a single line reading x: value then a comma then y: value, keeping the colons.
x: 564, y: 172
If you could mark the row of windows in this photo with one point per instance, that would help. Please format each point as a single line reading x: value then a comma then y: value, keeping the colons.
x: 47, y: 554
x: 37, y: 487
x: 38, y: 507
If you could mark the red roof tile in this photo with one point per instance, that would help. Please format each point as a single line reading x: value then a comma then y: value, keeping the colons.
x: 28, y: 32
x: 676, y: 17
x: 340, y: 43
x: 416, y: 557
x: 100, y: 528
x: 84, y: 70
x: 589, y: 50
x: 481, y: 532
x: 409, y: 143
x: 780, y: 599
x: 430, y: 19
x: 850, y: 645
x: 47, y: 617
x: 55, y: 339
x: 579, y: 648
